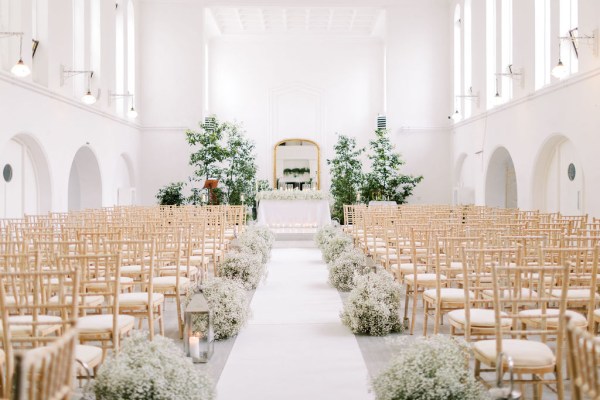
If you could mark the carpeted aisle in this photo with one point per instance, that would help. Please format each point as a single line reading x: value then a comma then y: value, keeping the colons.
x: 295, y: 346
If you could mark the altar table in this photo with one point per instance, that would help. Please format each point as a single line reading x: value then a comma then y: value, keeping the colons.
x: 293, y: 213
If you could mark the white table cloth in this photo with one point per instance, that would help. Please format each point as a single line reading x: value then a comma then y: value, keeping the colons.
x: 382, y: 203
x: 293, y: 213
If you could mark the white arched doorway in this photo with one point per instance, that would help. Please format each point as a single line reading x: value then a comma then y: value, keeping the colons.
x: 85, y: 182
x: 464, y: 192
x: 25, y: 182
x: 558, y: 178
x: 501, y: 180
x: 125, y: 180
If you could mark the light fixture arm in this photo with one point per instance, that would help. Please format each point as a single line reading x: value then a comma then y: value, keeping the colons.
x: 112, y: 95
x: 512, y: 74
x: 69, y: 73
x: 471, y: 96
x: 10, y: 34
x: 590, y: 40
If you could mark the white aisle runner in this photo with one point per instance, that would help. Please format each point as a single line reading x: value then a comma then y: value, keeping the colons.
x: 295, y: 346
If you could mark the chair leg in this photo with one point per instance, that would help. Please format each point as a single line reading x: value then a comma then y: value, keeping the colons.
x: 425, y: 316
x: 161, y: 323
x: 414, y: 308
x: 179, y: 319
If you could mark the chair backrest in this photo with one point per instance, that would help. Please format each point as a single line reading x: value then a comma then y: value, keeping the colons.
x: 46, y: 373
x: 583, y: 353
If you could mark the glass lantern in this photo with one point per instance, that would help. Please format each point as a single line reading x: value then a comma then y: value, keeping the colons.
x: 198, y: 341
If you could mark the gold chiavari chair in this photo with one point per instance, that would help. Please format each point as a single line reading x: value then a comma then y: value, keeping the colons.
x: 584, y: 362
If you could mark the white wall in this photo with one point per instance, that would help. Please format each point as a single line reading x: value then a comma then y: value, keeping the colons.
x: 534, y: 123
x: 297, y: 88
x: 418, y: 49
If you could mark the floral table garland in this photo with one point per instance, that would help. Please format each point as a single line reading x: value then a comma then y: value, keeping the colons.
x: 309, y: 194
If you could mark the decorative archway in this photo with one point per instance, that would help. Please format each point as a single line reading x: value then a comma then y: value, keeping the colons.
x: 85, y: 181
x: 558, y: 184
x: 125, y: 181
x: 501, y: 180
x: 25, y: 183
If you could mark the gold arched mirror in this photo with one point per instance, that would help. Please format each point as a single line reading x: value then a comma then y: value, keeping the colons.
x: 296, y: 164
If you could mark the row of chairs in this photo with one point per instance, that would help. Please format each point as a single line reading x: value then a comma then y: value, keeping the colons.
x: 100, y: 271
x: 501, y: 277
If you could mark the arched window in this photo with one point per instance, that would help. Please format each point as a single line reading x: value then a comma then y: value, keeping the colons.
x: 467, y: 56
x: 458, y: 60
x: 542, y: 43
x: 492, y: 84
x: 130, y: 48
x: 506, y: 56
x: 568, y: 20
x: 95, y: 37
x: 119, y: 58
x: 79, y: 82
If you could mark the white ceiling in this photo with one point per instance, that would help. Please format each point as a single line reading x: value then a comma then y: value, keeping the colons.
x: 353, y: 21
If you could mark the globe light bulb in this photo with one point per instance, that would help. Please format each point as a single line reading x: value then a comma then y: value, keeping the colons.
x: 88, y: 98
x: 20, y: 69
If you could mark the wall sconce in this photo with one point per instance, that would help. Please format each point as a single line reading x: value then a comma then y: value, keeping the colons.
x: 198, y: 341
x: 560, y: 70
x: 20, y: 69
x: 131, y: 113
x: 512, y: 75
x: 474, y: 97
x: 88, y: 97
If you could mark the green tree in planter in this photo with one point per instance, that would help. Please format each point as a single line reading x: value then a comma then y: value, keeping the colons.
x: 211, y: 153
x: 385, y: 180
x: 240, y: 172
x: 346, y: 174
x: 171, y: 194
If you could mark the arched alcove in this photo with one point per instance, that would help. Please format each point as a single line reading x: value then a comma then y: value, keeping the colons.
x: 501, y: 180
x: 463, y: 192
x: 125, y: 181
x: 85, y: 182
x: 558, y: 183
x: 25, y: 184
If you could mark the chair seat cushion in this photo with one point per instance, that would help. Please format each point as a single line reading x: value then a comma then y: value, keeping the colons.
x: 133, y: 269
x: 480, y: 317
x: 423, y: 278
x: 91, y: 356
x: 575, y: 294
x: 525, y: 353
x: 170, y: 270
x: 139, y: 299
x: 199, y: 259
x: 448, y: 294
x: 90, y: 300
x: 10, y: 300
x: 576, y: 317
x: 20, y: 325
x: 408, y: 268
x: 163, y: 282
x: 100, y: 283
x: 525, y: 294
x: 103, y: 323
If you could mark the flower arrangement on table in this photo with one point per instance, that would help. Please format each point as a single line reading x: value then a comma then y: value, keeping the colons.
x: 309, y: 194
x: 296, y: 171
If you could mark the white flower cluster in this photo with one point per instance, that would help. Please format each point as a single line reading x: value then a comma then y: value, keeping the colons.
x: 308, y: 194
x: 243, y: 266
x: 429, y: 368
x: 373, y: 306
x: 324, y: 235
x: 146, y: 369
x: 337, y: 245
x: 252, y: 242
x: 263, y: 232
x: 343, y: 269
x: 229, y: 303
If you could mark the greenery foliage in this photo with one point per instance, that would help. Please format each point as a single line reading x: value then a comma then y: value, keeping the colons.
x: 222, y: 152
x: 346, y: 175
x: 296, y: 171
x: 373, y: 306
x: 171, y: 194
x: 385, y: 181
x: 429, y: 368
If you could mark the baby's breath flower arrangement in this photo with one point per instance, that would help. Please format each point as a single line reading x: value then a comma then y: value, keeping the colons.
x: 263, y: 232
x: 244, y: 267
x: 324, y: 234
x: 429, y: 368
x: 373, y: 306
x: 337, y: 245
x: 228, y: 301
x: 343, y: 269
x: 252, y: 242
x: 145, y: 369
